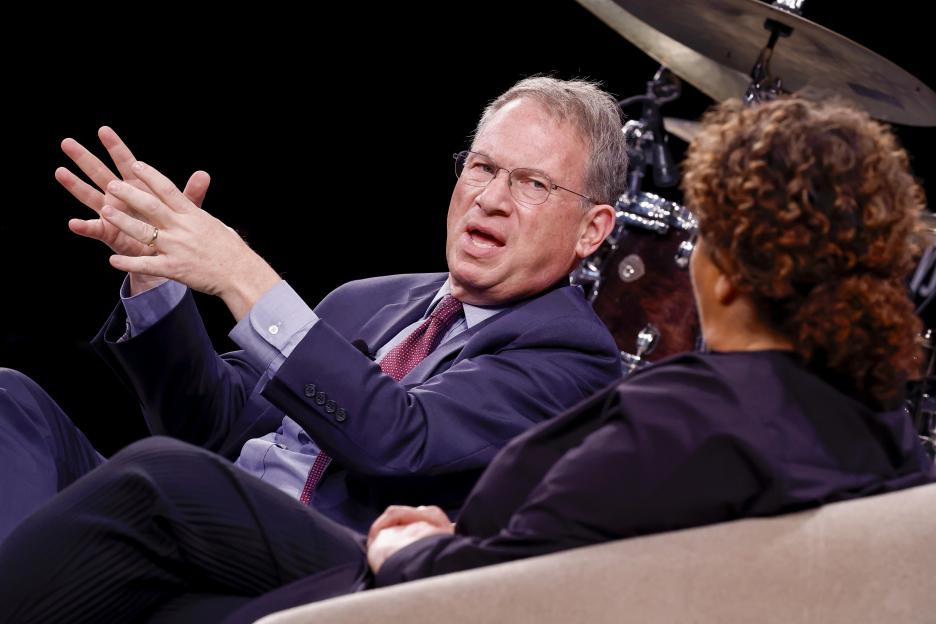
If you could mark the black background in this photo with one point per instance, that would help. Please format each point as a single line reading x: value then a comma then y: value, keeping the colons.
x: 328, y: 136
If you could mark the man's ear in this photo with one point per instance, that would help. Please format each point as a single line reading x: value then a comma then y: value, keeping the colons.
x: 598, y: 223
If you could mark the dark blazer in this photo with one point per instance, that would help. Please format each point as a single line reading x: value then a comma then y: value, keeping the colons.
x: 424, y: 439
x: 693, y: 440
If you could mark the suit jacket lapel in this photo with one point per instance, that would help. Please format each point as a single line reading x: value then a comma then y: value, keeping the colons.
x: 422, y: 371
x: 393, y: 317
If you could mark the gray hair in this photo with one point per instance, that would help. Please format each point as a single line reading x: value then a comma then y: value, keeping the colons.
x: 593, y: 112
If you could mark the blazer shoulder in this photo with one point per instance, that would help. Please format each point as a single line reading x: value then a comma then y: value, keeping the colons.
x: 382, y: 289
x: 563, y: 310
x: 389, y: 283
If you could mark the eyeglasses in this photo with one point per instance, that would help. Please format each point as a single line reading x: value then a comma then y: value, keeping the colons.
x: 526, y: 185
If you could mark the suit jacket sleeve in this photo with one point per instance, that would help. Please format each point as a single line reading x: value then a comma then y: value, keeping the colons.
x: 537, y: 365
x: 185, y: 388
x: 456, y: 419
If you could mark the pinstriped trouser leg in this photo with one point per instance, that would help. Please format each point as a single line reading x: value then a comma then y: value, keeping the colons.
x: 163, y: 519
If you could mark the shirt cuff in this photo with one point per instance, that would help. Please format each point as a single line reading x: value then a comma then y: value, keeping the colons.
x: 149, y: 307
x: 275, y: 325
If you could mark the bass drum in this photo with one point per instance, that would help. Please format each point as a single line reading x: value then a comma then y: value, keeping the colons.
x: 638, y: 281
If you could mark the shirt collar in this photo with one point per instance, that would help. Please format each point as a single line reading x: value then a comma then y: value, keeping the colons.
x: 473, y: 314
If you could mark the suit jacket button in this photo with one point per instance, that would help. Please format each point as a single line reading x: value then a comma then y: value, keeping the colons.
x: 310, y: 390
x: 340, y: 414
x: 320, y: 398
x: 330, y: 407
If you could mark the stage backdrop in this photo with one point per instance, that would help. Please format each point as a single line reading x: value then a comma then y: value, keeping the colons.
x: 332, y: 159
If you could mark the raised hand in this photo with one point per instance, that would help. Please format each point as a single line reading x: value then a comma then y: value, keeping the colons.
x: 95, y: 198
x: 192, y: 246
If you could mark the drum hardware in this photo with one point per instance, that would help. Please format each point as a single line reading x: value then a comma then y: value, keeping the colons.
x: 646, y: 342
x: 684, y: 129
x: 764, y: 87
x: 631, y: 268
x: 920, y: 403
x: 645, y: 212
x: 637, y: 280
x: 926, y: 425
x: 639, y: 220
x: 713, y: 45
x: 683, y: 253
x: 646, y: 138
x: 655, y: 213
x: 923, y: 281
x: 793, y: 6
x: 588, y: 277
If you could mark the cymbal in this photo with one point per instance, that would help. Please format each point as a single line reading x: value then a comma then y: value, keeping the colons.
x: 682, y: 128
x: 813, y: 61
x: 711, y: 78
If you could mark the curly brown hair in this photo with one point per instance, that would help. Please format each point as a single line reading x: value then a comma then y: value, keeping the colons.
x: 816, y: 212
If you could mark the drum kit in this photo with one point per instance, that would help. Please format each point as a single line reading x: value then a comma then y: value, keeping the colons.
x: 638, y: 281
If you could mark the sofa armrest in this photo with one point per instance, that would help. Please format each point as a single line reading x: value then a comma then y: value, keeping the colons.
x: 865, y: 560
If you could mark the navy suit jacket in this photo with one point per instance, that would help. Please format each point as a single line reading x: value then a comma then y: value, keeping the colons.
x: 425, y: 439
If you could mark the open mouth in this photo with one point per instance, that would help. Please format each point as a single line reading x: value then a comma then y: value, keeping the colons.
x: 484, y: 238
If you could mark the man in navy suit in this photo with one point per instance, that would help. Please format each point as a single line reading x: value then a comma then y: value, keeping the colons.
x: 308, y: 405
x: 783, y: 413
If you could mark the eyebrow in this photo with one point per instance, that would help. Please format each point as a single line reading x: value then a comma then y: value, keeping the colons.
x: 533, y: 169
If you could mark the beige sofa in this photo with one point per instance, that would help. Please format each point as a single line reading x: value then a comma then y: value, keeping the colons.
x: 868, y: 560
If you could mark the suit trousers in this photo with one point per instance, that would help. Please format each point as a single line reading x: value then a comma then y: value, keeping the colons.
x: 166, y: 531
x: 41, y: 450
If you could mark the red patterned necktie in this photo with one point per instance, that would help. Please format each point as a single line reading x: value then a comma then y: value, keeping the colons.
x: 399, y: 361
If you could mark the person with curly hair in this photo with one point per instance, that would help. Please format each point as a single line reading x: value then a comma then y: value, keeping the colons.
x: 808, y: 210
x: 806, y: 214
